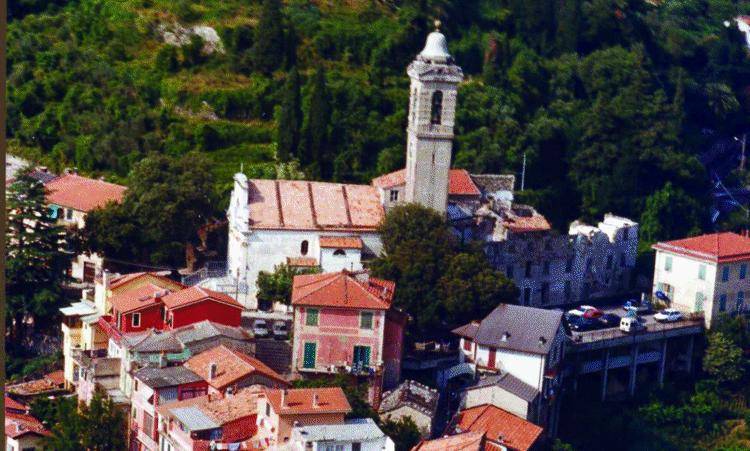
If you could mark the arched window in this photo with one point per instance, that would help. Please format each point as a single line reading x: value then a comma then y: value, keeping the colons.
x: 339, y: 252
x: 303, y: 247
x: 437, y: 107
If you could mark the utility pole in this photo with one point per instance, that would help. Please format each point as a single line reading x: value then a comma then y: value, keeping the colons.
x: 742, y: 158
x: 523, y: 170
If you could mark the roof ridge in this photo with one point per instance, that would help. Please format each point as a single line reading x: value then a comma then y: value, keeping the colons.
x: 327, y: 281
x: 346, y: 206
x: 279, y: 207
x: 312, y: 204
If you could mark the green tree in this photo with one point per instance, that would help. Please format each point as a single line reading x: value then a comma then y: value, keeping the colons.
x: 317, y: 126
x: 404, y: 432
x: 290, y: 119
x: 105, y: 425
x: 723, y: 359
x: 35, y: 261
x: 64, y: 421
x: 669, y: 214
x: 277, y: 286
x: 268, y: 50
x: 166, y: 59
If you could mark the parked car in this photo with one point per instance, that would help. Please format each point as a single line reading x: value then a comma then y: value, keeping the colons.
x: 579, y: 311
x: 260, y: 328
x: 631, y: 324
x: 637, y: 307
x: 593, y: 313
x: 610, y: 320
x: 581, y: 324
x: 280, y: 330
x: 668, y: 315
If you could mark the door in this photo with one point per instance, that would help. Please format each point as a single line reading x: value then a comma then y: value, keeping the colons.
x: 309, y: 355
x: 491, y: 359
x: 362, y: 356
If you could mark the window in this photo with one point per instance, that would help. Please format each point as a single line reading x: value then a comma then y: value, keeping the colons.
x: 569, y: 264
x: 361, y: 356
x: 702, y: 272
x: 356, y: 446
x: 724, y: 274
x: 437, y: 107
x: 545, y: 292
x: 699, y: 297
x: 339, y: 253
x: 527, y: 273
x: 526, y: 296
x: 743, y: 271
x: 69, y: 214
x: 394, y: 195
x: 740, y: 301
x: 509, y: 271
x: 268, y: 409
x: 148, y: 424
x: 303, y: 247
x: 135, y: 384
x: 365, y: 320
x: 308, y: 357
x: 136, y: 320
x: 545, y: 268
x: 723, y: 303
x: 668, y: 263
x: 311, y: 319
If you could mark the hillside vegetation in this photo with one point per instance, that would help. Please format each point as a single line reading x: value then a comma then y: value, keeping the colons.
x: 611, y: 101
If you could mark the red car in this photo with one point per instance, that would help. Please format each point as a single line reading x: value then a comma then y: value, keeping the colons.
x: 592, y: 313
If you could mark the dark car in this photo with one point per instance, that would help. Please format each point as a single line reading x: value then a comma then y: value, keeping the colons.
x: 583, y: 324
x: 610, y: 320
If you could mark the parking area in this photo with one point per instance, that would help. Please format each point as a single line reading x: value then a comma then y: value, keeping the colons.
x: 604, y: 333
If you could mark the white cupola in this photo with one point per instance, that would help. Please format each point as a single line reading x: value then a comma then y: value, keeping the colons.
x: 436, y: 48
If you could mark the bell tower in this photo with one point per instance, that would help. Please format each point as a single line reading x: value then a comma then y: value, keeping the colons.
x: 432, y: 108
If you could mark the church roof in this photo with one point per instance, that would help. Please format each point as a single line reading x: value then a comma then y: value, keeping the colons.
x: 303, y: 205
x: 459, y: 182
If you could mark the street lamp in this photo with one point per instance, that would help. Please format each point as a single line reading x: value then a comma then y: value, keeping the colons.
x: 742, y: 157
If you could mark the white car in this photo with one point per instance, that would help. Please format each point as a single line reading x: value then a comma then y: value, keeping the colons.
x: 580, y: 310
x: 668, y: 315
x: 260, y: 329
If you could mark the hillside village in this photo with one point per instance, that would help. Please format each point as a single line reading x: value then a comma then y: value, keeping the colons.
x: 203, y: 359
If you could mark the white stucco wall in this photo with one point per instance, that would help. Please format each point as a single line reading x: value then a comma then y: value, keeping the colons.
x: 527, y: 367
x: 498, y: 397
x: 685, y: 283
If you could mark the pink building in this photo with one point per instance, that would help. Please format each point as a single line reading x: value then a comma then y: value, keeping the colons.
x: 345, y: 321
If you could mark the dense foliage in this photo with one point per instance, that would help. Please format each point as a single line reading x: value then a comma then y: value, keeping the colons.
x: 607, y: 100
x: 99, y: 426
x: 440, y: 284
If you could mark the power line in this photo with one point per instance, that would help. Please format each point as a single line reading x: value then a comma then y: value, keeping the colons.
x: 140, y: 265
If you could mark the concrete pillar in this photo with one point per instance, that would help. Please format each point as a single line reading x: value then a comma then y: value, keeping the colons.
x: 689, y: 365
x: 633, y: 370
x: 662, y: 362
x: 605, y: 373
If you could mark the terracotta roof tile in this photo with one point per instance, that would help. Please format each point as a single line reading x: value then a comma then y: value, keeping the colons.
x: 300, y: 401
x: 243, y: 404
x: 188, y: 296
x: 459, y: 182
x: 17, y: 425
x: 82, y: 193
x: 306, y: 262
x: 117, y: 282
x: 535, y: 223
x: 231, y: 366
x: 51, y: 382
x: 468, y: 441
x: 56, y: 377
x: 341, y: 242
x: 342, y: 289
x: 302, y: 205
x: 716, y: 247
x: 499, y: 426
x: 145, y: 296
x: 12, y: 404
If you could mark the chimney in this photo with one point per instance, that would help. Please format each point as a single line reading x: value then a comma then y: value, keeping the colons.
x: 212, y: 371
x: 162, y: 360
x: 315, y: 402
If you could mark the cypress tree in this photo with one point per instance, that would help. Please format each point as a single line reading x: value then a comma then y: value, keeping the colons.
x: 290, y: 120
x: 318, y: 118
x: 268, y: 50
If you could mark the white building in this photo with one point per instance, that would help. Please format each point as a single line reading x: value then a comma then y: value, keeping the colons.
x: 357, y: 434
x: 743, y: 24
x: 526, y: 343
x: 707, y: 273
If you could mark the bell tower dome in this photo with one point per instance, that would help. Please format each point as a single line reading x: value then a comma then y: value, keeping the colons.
x: 432, y: 108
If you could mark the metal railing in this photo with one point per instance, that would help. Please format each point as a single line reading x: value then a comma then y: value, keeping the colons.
x: 615, y: 332
x: 211, y: 270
